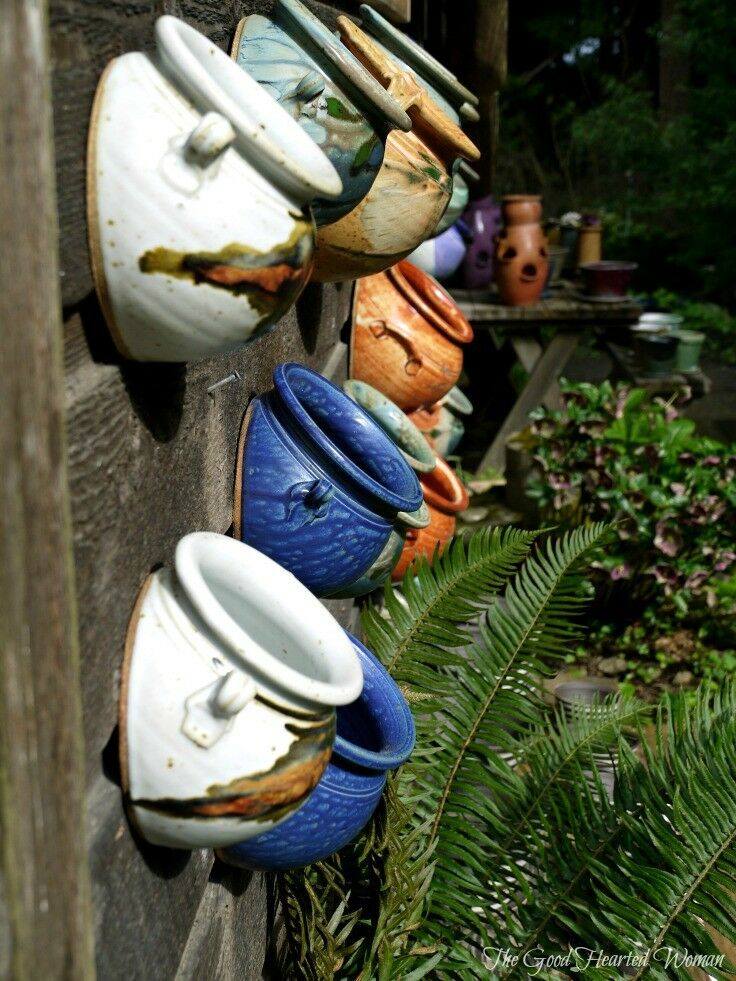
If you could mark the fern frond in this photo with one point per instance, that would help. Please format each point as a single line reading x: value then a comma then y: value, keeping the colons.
x: 414, y: 632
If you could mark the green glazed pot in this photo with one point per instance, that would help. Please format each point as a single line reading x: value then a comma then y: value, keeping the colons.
x: 689, y: 346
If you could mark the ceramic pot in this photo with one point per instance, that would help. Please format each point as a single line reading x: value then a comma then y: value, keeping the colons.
x: 689, y: 345
x: 444, y: 495
x: 407, y: 336
x: 442, y: 86
x: 197, y: 186
x: 442, y: 255
x: 483, y: 218
x: 589, y: 239
x: 659, y: 323
x: 557, y: 255
x: 520, y: 262
x: 327, y: 91
x: 441, y: 423
x: 607, y: 280
x: 232, y: 670
x: 457, y: 204
x: 319, y: 485
x: 375, y: 734
x: 657, y: 353
x: 413, y: 187
x: 411, y: 442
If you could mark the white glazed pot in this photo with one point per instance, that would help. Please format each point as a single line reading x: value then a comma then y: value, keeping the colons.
x: 197, y: 185
x: 232, y: 671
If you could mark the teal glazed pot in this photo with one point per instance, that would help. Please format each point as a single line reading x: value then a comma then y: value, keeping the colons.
x: 447, y: 91
x: 327, y: 91
x: 689, y: 345
x: 375, y: 734
x: 320, y: 488
x: 414, y: 447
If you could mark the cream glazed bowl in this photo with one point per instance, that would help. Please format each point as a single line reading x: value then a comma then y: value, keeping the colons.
x: 231, y: 676
x: 197, y: 186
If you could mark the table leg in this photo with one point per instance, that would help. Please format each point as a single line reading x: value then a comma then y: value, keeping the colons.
x: 529, y: 351
x: 545, y: 372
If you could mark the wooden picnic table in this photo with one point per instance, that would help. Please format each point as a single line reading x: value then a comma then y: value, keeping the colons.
x: 543, y: 354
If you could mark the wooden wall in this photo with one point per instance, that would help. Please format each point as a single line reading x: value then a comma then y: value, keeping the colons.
x: 151, y: 457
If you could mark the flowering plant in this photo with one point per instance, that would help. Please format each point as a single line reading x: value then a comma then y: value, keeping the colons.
x: 616, y: 453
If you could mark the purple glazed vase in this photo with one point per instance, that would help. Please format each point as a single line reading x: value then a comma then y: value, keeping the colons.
x: 483, y: 218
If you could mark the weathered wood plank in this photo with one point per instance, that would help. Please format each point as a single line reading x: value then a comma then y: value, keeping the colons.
x: 545, y: 372
x: 45, y: 922
x: 484, y: 310
x: 529, y: 351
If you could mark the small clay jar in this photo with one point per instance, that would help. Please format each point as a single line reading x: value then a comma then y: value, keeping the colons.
x: 406, y: 337
x: 520, y: 257
x: 444, y: 495
x: 590, y: 244
x: 413, y: 186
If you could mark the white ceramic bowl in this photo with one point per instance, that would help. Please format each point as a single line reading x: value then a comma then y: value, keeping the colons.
x: 232, y: 671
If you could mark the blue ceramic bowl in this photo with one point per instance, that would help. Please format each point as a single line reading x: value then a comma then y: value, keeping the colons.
x: 319, y: 485
x: 375, y: 734
x: 327, y: 91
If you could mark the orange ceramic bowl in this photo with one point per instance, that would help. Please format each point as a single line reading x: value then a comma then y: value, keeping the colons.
x: 407, y: 336
x: 444, y: 495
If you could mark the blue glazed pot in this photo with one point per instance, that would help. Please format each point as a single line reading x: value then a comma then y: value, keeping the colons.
x: 327, y: 91
x: 319, y: 486
x: 375, y: 734
x: 410, y: 440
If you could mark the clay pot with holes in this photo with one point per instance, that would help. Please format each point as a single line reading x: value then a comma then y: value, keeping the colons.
x: 445, y: 495
x: 407, y: 336
x: 520, y: 261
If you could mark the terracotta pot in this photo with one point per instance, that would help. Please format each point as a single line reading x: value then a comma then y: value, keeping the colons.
x: 520, y: 262
x: 413, y: 187
x: 441, y: 424
x: 589, y: 243
x: 444, y: 495
x: 406, y: 337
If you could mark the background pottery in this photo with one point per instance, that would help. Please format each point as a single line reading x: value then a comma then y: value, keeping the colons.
x: 441, y: 256
x: 413, y: 186
x: 589, y: 243
x: 607, y: 280
x: 406, y: 336
x: 457, y: 204
x: 442, y: 86
x: 196, y: 185
x: 520, y: 263
x: 375, y: 734
x: 483, y: 218
x: 657, y: 353
x: 689, y: 345
x: 232, y: 671
x: 441, y: 423
x: 444, y: 495
x: 413, y: 446
x: 660, y: 322
x: 557, y: 255
x: 319, y: 484
x: 326, y: 90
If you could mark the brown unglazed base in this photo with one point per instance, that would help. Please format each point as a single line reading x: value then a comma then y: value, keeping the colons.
x: 238, y: 489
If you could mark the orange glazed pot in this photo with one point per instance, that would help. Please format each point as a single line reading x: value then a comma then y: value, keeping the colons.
x: 520, y: 262
x: 413, y: 186
x: 444, y: 495
x: 406, y: 336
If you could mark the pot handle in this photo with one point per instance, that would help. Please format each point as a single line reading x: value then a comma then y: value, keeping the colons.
x: 309, y: 501
x: 209, y: 139
x: 384, y: 328
x: 210, y: 711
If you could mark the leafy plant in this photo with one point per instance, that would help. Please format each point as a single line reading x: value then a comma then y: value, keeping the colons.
x: 500, y: 839
x: 618, y: 454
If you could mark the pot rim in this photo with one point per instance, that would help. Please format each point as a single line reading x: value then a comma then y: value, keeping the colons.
x: 609, y: 265
x: 370, y: 96
x: 266, y: 135
x: 398, y: 748
x: 514, y: 198
x: 358, y: 390
x: 282, y: 378
x: 458, y: 401
x: 431, y: 300
x: 418, y: 58
x: 425, y: 114
x: 449, y: 504
x: 317, y: 627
